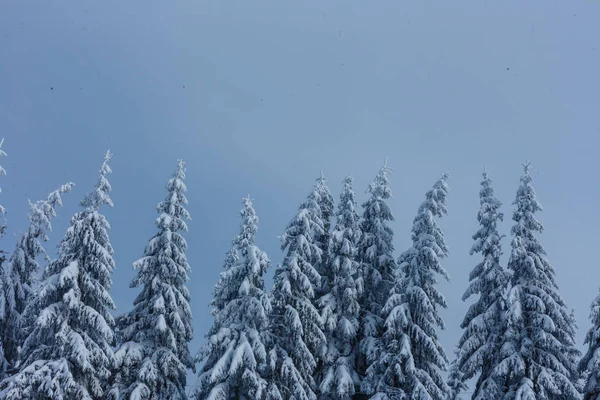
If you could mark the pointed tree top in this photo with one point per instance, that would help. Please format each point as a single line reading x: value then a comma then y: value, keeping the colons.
x: 527, y: 166
x: 180, y: 172
x: 2, y: 153
x: 384, y: 171
x: 100, y: 194
x: 321, y: 180
x: 105, y: 169
x: 248, y: 200
x: 385, y: 166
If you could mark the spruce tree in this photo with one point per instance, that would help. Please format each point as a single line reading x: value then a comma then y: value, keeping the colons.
x: 479, y: 344
x: 590, y: 363
x: 21, y: 273
x: 68, y: 354
x: 295, y: 331
x: 340, y: 306
x: 4, y: 365
x: 2, y: 209
x: 326, y: 204
x: 153, y: 357
x: 377, y: 268
x: 412, y: 357
x: 538, y: 357
x: 235, y: 356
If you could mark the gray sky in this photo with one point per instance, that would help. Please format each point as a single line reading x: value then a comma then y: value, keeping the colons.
x: 258, y: 96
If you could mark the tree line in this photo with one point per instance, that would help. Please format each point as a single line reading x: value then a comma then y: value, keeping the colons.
x: 345, y: 318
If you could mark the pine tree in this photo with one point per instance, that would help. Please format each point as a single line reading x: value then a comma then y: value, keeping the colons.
x: 538, y: 358
x: 153, y: 356
x: 4, y: 365
x: 326, y: 204
x: 295, y: 324
x: 340, y: 306
x: 377, y: 269
x: 480, y: 342
x: 590, y: 363
x: 21, y: 273
x: 412, y: 357
x: 68, y: 354
x: 235, y: 356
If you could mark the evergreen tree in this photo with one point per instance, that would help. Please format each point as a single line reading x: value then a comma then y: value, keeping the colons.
x: 153, y: 357
x: 68, y: 354
x: 326, y: 204
x: 480, y: 342
x: 295, y: 331
x: 412, y: 357
x: 235, y: 356
x: 377, y: 269
x: 590, y: 363
x: 2, y: 209
x: 538, y: 358
x: 340, y: 306
x: 4, y: 365
x: 21, y: 272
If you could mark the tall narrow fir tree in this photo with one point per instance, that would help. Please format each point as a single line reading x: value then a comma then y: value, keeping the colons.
x: 340, y: 306
x: 480, y: 342
x: 235, y: 356
x: 538, y: 357
x: 4, y: 365
x: 153, y: 358
x: 296, y: 332
x: 326, y: 204
x: 377, y: 268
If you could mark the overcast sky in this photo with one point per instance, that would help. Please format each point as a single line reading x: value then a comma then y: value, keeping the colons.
x: 259, y: 96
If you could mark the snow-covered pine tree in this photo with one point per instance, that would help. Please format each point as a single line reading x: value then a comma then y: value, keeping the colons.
x: 326, y: 204
x: 376, y: 271
x: 479, y: 344
x: 340, y: 306
x: 3, y: 362
x: 153, y: 356
x: 21, y: 273
x: 68, y: 354
x: 411, y: 355
x: 235, y: 356
x: 295, y: 330
x: 590, y: 363
x: 538, y: 357
x: 2, y: 209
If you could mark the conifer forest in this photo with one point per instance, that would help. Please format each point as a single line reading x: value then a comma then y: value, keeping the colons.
x: 347, y: 316
x: 299, y: 200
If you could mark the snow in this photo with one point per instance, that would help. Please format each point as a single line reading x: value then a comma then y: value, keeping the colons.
x: 538, y: 357
x: 72, y: 333
x: 158, y: 327
x: 235, y: 356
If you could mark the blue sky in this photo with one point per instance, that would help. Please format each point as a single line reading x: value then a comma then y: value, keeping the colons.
x: 259, y: 96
